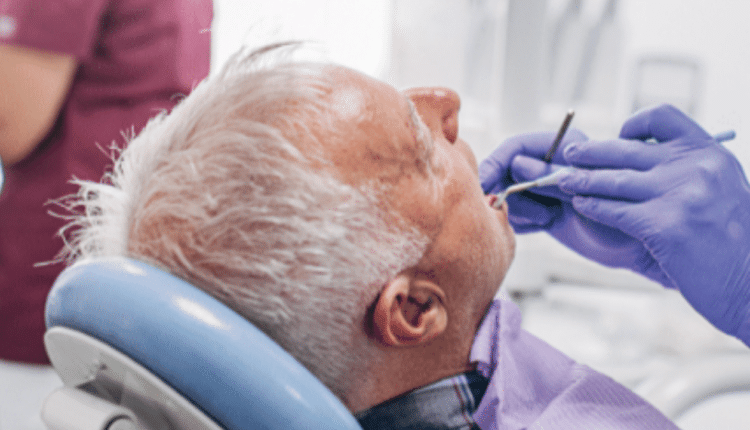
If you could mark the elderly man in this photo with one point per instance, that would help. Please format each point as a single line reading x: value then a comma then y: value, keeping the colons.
x: 346, y: 220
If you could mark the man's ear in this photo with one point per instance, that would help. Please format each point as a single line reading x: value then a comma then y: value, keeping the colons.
x: 409, y: 312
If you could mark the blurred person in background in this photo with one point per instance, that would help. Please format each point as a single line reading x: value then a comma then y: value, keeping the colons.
x: 76, y: 77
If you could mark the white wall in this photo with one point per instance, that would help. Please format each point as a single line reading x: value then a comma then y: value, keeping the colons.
x: 716, y: 31
x: 357, y: 33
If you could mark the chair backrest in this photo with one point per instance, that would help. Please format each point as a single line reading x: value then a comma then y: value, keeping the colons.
x: 203, y: 350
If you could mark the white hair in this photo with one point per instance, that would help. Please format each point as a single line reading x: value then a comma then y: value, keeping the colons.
x: 221, y: 193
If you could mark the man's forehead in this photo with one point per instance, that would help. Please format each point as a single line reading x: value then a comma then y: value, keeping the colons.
x: 349, y: 103
x: 379, y: 131
x: 355, y: 94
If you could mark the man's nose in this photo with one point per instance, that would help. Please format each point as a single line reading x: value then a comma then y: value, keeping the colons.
x: 438, y: 108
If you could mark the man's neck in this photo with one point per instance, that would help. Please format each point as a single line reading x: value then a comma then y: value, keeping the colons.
x: 401, y: 370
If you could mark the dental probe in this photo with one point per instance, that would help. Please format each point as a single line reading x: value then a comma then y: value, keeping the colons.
x: 546, y: 180
x: 722, y: 137
x: 560, y: 134
x: 552, y: 178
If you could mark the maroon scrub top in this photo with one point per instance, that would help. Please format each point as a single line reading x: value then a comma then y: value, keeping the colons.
x: 136, y: 58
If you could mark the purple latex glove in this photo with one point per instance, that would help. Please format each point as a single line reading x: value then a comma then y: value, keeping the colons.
x: 528, y: 211
x: 684, y: 197
x: 547, y: 208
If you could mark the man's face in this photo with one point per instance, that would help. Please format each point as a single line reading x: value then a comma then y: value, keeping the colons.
x: 408, y: 142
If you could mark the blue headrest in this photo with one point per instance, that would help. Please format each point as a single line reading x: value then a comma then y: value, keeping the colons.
x: 208, y: 353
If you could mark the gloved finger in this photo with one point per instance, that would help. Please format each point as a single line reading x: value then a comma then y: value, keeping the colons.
x: 616, y: 154
x: 618, y: 214
x: 494, y: 170
x: 537, y: 144
x: 653, y: 271
x: 572, y: 135
x: 663, y: 123
x: 494, y: 173
x: 625, y: 217
x: 523, y: 225
x: 527, y: 169
x: 492, y: 176
x: 620, y: 184
x: 550, y: 191
x: 526, y: 212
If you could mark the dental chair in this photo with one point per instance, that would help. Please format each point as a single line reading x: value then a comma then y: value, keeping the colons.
x: 138, y: 348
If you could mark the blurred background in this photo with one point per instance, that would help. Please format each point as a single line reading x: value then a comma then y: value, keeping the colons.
x: 519, y: 65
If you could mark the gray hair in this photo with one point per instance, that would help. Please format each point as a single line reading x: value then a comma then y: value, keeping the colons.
x: 219, y: 192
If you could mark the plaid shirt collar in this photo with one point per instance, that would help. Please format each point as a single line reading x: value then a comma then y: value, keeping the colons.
x: 445, y: 404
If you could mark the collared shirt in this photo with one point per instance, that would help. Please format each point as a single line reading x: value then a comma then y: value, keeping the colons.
x: 535, y: 386
x: 445, y: 404
x: 521, y: 382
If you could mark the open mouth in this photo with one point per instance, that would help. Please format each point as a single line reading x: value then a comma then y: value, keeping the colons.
x: 491, y: 199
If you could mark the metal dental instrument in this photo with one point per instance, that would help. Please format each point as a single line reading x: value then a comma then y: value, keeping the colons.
x: 560, y: 134
x: 546, y: 180
x: 552, y: 178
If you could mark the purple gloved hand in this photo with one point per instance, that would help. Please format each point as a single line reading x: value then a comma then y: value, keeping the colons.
x: 547, y: 208
x: 685, y: 198
x: 676, y: 211
x: 516, y: 160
